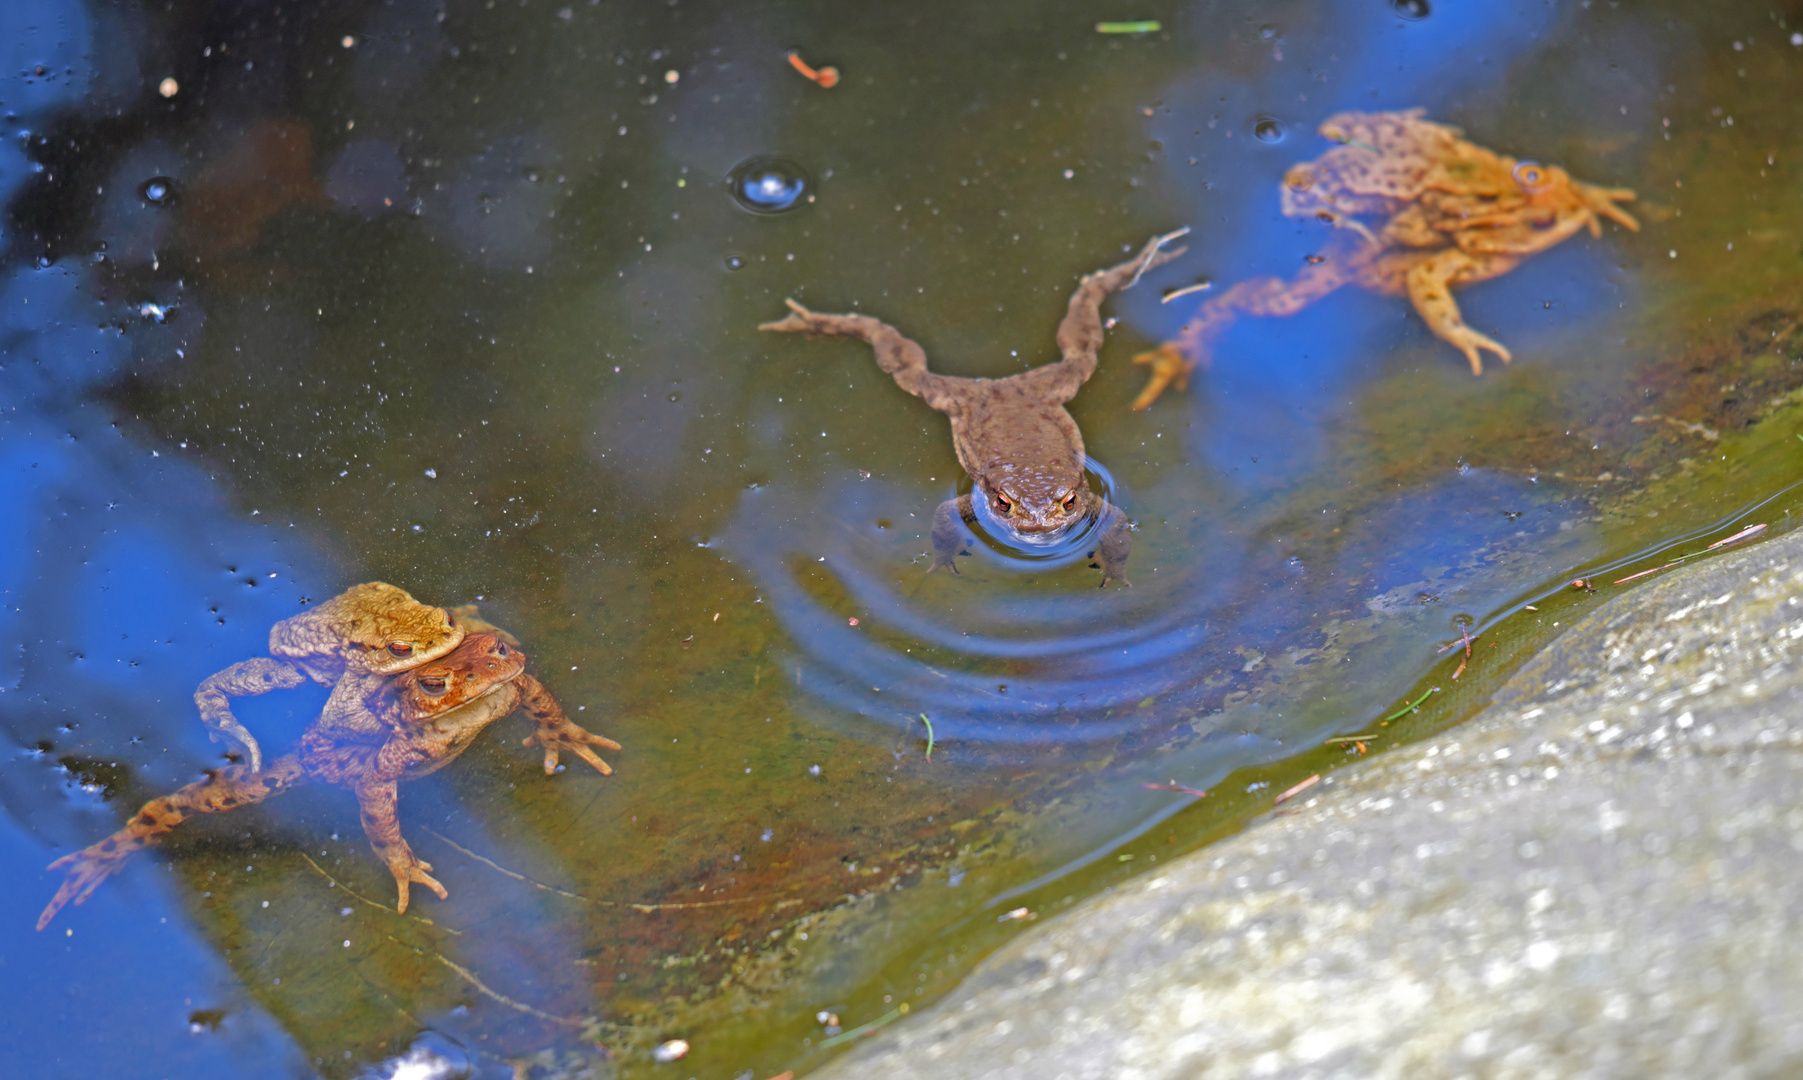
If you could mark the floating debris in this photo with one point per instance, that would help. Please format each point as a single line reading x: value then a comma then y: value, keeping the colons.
x: 1200, y: 286
x: 1406, y: 709
x: 1747, y: 533
x: 826, y: 78
x: 1175, y: 786
x: 1016, y: 915
x: 674, y: 1050
x: 768, y: 185
x: 1297, y: 790
x: 1145, y: 26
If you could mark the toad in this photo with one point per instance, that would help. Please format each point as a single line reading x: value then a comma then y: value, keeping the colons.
x: 426, y: 716
x: 1431, y: 212
x: 371, y: 630
x: 1013, y: 436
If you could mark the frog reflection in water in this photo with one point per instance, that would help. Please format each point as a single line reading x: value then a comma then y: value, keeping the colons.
x: 1443, y: 213
x: 1021, y: 448
x: 425, y: 717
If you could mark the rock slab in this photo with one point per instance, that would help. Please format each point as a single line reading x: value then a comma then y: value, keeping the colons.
x: 1597, y: 877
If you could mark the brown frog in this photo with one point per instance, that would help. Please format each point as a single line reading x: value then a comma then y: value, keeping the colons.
x: 369, y: 631
x: 1013, y: 436
x: 1442, y: 213
x: 426, y: 716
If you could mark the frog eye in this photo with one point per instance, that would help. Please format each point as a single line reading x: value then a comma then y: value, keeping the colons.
x: 1299, y: 180
x: 1002, y: 504
x: 400, y: 648
x: 433, y: 685
x: 1531, y: 176
x: 501, y: 649
x: 1070, y: 503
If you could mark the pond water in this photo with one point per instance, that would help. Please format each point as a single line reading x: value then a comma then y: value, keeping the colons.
x: 463, y: 295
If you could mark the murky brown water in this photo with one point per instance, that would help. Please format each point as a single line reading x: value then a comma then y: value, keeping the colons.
x: 456, y: 296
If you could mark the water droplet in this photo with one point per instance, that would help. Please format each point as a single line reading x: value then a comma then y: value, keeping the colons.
x: 1412, y: 10
x: 533, y: 176
x: 158, y: 190
x: 735, y: 262
x: 45, y: 262
x: 1268, y: 130
x: 1267, y: 31
x: 768, y: 185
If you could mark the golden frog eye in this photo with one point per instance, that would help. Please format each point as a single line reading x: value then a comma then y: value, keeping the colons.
x: 433, y: 685
x: 1070, y: 503
x: 1002, y: 504
x: 400, y: 648
x: 1300, y: 179
x: 1531, y: 176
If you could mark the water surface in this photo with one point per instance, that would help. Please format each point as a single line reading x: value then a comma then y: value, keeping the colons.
x: 463, y: 296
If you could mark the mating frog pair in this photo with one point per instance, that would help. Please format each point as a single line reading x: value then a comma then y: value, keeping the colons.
x: 1425, y: 212
x: 381, y: 725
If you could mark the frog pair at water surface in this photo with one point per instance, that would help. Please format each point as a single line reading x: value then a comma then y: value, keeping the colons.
x: 412, y: 687
x: 1444, y: 213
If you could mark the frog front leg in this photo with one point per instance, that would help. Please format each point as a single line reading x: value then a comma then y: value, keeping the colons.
x: 1430, y: 290
x: 1114, y: 544
x: 377, y: 804
x: 245, y: 679
x: 556, y: 731
x: 901, y: 357
x: 226, y: 789
x: 1080, y: 332
x: 948, y: 536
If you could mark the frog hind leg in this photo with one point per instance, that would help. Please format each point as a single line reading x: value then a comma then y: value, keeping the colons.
x: 245, y: 679
x: 227, y: 789
x: 555, y: 731
x: 1080, y: 332
x: 1429, y: 285
x: 948, y: 538
x: 1174, y: 360
x: 900, y: 357
x: 378, y: 805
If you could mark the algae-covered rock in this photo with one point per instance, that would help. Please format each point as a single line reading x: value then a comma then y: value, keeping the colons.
x: 1597, y: 876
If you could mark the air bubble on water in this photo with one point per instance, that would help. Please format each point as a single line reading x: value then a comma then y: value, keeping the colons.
x: 1268, y: 130
x: 1267, y: 31
x: 768, y: 185
x: 158, y: 190
x: 1412, y: 10
x: 735, y: 262
x: 533, y: 176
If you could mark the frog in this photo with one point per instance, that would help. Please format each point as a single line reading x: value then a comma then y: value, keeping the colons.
x: 368, y: 632
x: 1021, y: 448
x: 428, y: 716
x: 1424, y: 211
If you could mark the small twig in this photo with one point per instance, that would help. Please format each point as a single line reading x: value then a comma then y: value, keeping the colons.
x: 1355, y: 738
x: 470, y: 977
x: 1175, y: 786
x: 1144, y: 26
x: 518, y: 876
x: 1297, y: 790
x: 1200, y: 286
x: 1745, y: 534
x: 929, y: 724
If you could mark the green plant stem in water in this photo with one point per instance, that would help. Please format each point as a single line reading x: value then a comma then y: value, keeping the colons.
x: 1149, y: 26
x: 889, y: 1017
x: 929, y: 724
x: 1407, y: 709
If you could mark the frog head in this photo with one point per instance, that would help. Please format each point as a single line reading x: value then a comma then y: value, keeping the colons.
x: 481, y: 665
x: 1037, y: 504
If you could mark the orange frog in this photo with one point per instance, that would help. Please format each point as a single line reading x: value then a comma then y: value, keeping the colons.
x: 417, y: 722
x: 1431, y: 212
